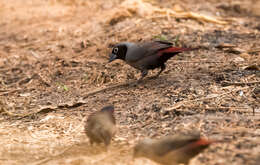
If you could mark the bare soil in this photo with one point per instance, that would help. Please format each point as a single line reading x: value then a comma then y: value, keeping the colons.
x: 54, y: 73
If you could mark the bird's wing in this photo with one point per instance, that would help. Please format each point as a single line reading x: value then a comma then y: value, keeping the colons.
x: 169, y: 144
x: 139, y: 51
x: 110, y: 116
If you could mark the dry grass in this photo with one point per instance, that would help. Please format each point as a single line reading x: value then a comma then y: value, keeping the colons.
x: 54, y: 72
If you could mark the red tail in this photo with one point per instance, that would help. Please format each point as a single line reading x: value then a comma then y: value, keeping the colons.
x: 202, y: 142
x: 174, y: 50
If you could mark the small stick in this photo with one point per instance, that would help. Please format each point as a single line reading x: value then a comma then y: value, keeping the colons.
x: 197, y: 61
x: 45, y: 160
x: 179, y: 104
x: 5, y: 111
x: 231, y: 109
x: 103, y: 89
x: 192, y: 15
x: 47, y: 109
x: 240, y: 83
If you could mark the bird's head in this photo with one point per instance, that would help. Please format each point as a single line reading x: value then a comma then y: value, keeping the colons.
x: 119, y: 51
x: 109, y: 108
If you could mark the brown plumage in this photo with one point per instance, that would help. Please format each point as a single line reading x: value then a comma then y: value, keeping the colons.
x: 101, y: 126
x: 171, y: 150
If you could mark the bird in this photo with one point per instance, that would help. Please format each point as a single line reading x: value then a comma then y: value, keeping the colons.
x: 146, y: 56
x: 101, y: 126
x: 171, y: 150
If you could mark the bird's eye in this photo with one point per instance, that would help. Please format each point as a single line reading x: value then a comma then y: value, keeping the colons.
x: 115, y: 50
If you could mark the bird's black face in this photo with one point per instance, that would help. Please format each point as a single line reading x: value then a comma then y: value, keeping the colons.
x: 118, y: 52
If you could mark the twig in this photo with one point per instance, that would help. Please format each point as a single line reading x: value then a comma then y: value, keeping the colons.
x: 193, y: 15
x: 3, y: 110
x: 179, y: 104
x: 176, y: 61
x: 47, y: 109
x: 256, y: 50
x: 140, y: 7
x: 145, y: 7
x: 103, y: 89
x: 45, y: 160
x: 6, y: 92
x: 226, y: 83
x: 44, y: 109
x: 230, y: 109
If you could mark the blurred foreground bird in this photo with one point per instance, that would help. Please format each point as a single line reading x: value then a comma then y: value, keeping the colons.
x: 145, y: 56
x: 101, y: 126
x: 171, y: 150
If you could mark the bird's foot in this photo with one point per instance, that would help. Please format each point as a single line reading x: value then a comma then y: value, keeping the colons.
x: 158, y: 74
x: 139, y: 80
x: 134, y: 84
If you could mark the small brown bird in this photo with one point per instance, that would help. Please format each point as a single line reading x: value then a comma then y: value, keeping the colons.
x: 101, y: 126
x: 171, y: 150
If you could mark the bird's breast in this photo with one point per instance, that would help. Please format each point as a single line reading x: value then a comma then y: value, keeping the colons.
x: 136, y: 65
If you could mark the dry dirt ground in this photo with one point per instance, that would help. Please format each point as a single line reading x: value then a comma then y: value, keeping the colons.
x: 54, y: 72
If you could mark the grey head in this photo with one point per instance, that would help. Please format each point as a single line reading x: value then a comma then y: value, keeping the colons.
x: 120, y: 51
x: 109, y: 108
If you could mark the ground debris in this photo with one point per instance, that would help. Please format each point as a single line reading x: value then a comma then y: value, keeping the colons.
x: 129, y: 8
x: 54, y: 72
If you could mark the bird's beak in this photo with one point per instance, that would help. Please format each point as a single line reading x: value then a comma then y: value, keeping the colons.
x: 112, y: 57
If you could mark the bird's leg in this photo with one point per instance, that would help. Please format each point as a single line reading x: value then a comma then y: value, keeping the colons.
x: 144, y: 73
x: 162, y: 69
